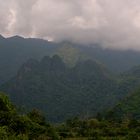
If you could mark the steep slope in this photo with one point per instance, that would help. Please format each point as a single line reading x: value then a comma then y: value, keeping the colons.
x: 129, y: 80
x: 127, y: 108
x: 61, y: 91
x: 130, y: 105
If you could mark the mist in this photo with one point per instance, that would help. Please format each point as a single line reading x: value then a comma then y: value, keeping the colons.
x: 111, y: 23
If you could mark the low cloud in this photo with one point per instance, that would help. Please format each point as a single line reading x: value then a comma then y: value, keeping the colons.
x: 110, y: 23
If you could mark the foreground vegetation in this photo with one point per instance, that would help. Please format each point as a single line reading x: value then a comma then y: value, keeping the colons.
x: 95, y: 129
x: 15, y: 126
x: 33, y: 126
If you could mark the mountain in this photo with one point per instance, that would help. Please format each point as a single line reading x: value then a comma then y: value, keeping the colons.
x: 1, y: 37
x: 129, y: 80
x: 16, y: 50
x: 117, y: 61
x: 71, y: 53
x: 61, y: 91
x: 129, y: 106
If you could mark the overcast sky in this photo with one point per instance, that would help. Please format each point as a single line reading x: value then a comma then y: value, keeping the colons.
x: 111, y: 23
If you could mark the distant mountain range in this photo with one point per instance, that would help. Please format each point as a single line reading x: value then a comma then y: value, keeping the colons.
x: 16, y: 50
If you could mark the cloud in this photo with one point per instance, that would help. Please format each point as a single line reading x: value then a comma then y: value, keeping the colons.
x: 110, y: 23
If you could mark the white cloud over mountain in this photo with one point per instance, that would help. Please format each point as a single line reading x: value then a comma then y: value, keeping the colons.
x: 110, y: 23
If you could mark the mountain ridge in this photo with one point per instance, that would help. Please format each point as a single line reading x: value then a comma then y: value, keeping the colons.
x: 15, y: 51
x: 51, y: 84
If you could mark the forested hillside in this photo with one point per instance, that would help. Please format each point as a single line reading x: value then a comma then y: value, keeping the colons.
x: 61, y: 91
x: 73, y: 82
x: 129, y: 107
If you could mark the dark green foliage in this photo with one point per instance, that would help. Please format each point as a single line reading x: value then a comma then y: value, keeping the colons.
x: 60, y: 91
x: 34, y: 127
x: 128, y: 107
x: 129, y: 94
x: 93, y: 129
x: 37, y: 117
x: 5, y: 104
x: 14, y: 126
